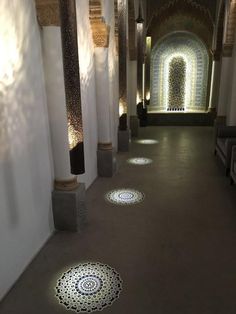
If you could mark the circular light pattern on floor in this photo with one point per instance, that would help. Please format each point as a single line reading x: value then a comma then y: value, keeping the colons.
x: 140, y: 161
x: 147, y: 141
x: 88, y: 287
x: 124, y: 196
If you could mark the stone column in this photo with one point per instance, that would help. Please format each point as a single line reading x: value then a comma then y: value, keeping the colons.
x: 132, y: 69
x: 68, y: 197
x: 140, y: 61
x: 123, y: 132
x: 106, y: 158
x: 148, y: 65
x: 215, y: 82
x: 55, y: 89
x: 225, y: 85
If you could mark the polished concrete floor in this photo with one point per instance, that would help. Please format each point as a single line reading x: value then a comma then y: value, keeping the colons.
x: 175, y: 251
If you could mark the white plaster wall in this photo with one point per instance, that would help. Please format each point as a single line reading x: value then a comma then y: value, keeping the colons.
x: 108, y: 13
x: 55, y: 88
x: 25, y: 156
x: 88, y: 92
x: 231, y: 111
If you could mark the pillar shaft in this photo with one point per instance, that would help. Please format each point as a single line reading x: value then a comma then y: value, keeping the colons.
x: 103, y: 96
x: 72, y: 84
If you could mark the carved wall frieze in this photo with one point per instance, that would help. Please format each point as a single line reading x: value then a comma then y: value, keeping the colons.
x: 48, y: 12
x: 100, y: 30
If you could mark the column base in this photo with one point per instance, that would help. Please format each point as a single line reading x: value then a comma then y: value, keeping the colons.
x: 134, y: 125
x: 69, y: 209
x: 106, y: 162
x: 123, y: 140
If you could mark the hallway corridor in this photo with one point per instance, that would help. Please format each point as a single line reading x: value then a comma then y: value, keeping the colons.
x: 175, y: 251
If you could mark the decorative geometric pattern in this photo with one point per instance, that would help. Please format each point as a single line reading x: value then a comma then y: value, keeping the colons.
x: 195, y: 55
x: 177, y: 77
x: 124, y: 197
x: 147, y: 141
x: 88, y: 287
x: 72, y: 84
x: 140, y: 161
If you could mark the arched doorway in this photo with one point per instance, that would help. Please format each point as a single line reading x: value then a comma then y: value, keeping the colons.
x: 179, y: 73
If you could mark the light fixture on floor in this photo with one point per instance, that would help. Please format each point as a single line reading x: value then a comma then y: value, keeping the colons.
x: 147, y: 141
x: 88, y: 287
x: 124, y: 196
x: 140, y: 161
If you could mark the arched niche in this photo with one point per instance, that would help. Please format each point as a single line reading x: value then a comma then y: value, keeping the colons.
x: 182, y: 53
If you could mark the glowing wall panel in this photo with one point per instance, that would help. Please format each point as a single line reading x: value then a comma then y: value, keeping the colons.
x: 194, y: 53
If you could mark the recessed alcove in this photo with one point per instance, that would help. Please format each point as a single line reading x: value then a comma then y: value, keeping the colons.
x: 179, y: 74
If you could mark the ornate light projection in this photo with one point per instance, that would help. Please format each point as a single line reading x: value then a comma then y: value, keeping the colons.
x: 139, y: 161
x: 176, y: 57
x: 88, y: 287
x: 72, y: 84
x: 124, y: 197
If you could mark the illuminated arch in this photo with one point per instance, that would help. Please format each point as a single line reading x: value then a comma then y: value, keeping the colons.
x: 196, y: 59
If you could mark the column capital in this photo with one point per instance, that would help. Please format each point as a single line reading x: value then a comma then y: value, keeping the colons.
x: 48, y: 12
x: 66, y: 185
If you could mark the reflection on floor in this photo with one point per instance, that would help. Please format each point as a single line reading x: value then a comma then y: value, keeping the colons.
x: 124, y: 196
x: 139, y: 161
x: 175, y: 251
